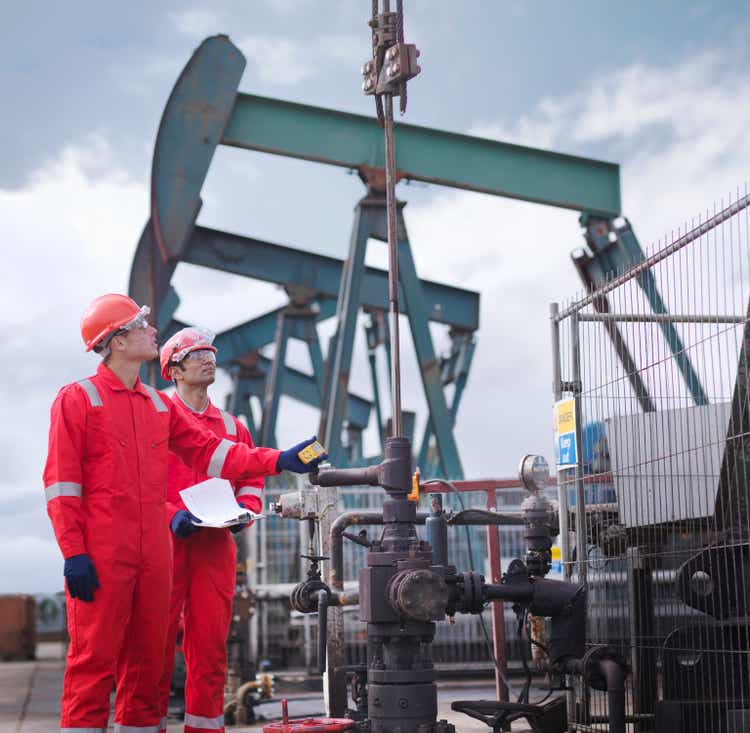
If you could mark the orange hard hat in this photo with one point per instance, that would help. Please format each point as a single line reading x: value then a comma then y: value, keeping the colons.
x: 107, y: 314
x: 177, y: 347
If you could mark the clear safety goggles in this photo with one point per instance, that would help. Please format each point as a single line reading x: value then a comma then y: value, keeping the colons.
x: 200, y: 337
x: 205, y: 356
x: 139, y: 323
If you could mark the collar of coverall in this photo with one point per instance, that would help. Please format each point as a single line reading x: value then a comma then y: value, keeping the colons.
x: 113, y: 381
x: 211, y: 410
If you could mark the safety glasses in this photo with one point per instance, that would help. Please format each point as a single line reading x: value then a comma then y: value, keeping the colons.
x: 206, y: 356
x: 140, y: 322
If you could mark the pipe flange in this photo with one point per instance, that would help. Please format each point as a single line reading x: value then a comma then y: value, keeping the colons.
x: 420, y: 595
x: 471, y: 598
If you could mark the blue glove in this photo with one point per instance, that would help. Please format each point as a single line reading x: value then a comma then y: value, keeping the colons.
x: 80, y: 576
x: 289, y: 460
x: 182, y: 524
x: 235, y: 528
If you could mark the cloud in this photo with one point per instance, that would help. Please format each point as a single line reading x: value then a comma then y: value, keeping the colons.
x: 287, y: 61
x: 30, y: 565
x: 278, y: 60
x: 70, y: 235
x: 83, y: 241
x: 285, y: 7
x: 197, y: 22
x: 670, y: 127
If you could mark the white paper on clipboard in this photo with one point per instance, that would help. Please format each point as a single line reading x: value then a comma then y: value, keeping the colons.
x: 214, y: 503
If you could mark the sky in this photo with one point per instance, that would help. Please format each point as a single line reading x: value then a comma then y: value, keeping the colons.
x: 660, y: 88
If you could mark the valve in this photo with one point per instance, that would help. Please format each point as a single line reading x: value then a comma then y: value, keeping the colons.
x: 304, y: 595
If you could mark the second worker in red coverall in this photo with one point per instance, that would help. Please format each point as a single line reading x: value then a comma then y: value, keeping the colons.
x: 204, y: 559
x: 105, y: 483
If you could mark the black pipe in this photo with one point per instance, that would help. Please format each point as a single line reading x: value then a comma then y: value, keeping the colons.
x: 510, y: 593
x: 325, y: 476
x: 484, y: 518
x: 340, y: 524
x: 323, y: 597
x: 374, y: 517
x: 437, y: 530
x: 614, y: 674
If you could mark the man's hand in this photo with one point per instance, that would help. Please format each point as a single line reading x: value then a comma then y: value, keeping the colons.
x: 80, y: 576
x: 290, y: 461
x: 235, y: 528
x: 182, y: 524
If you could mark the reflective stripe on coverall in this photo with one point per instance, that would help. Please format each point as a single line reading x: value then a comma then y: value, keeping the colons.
x: 105, y: 481
x: 203, y: 585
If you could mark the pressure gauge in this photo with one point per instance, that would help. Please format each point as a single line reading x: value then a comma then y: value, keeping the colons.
x: 533, y: 472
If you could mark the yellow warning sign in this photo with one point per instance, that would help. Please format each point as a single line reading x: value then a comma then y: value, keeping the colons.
x: 565, y: 416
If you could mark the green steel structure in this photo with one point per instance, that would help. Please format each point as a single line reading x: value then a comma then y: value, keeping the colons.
x: 205, y: 110
x: 424, y: 154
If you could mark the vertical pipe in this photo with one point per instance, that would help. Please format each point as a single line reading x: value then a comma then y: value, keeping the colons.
x: 643, y: 654
x: 390, y: 193
x: 334, y: 683
x: 253, y: 580
x: 437, y: 530
x: 498, y: 608
x: 305, y: 541
x: 262, y: 574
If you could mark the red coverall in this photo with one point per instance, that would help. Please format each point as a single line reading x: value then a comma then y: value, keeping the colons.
x: 105, y: 483
x: 203, y: 585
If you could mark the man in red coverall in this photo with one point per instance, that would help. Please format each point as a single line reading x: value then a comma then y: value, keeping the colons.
x: 105, y: 483
x: 204, y: 559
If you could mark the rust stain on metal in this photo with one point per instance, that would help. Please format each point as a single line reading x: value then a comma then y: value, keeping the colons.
x: 374, y: 178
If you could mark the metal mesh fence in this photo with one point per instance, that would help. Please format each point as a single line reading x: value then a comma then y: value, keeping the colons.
x: 659, y: 499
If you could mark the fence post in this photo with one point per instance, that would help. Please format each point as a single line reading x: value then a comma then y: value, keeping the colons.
x: 498, y: 607
x: 581, y: 553
x: 580, y: 497
x: 562, y: 485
